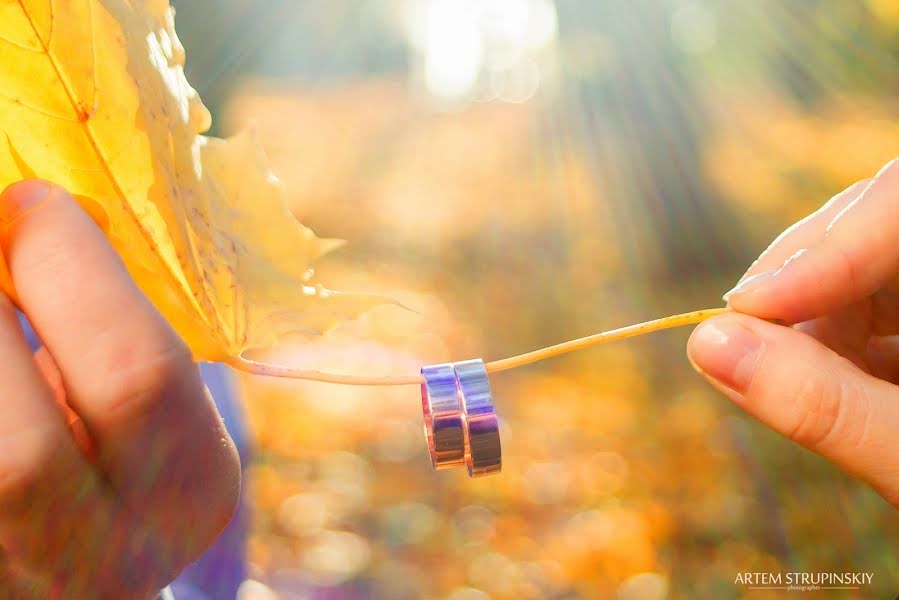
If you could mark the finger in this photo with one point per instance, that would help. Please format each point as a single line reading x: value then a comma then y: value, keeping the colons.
x: 884, y: 312
x: 49, y: 494
x: 856, y: 257
x: 845, y: 331
x: 806, y: 232
x: 126, y: 373
x: 883, y: 357
x: 853, y: 331
x: 50, y: 373
x: 29, y: 418
x: 806, y: 392
x: 98, y: 327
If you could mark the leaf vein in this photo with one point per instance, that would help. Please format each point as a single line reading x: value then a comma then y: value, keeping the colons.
x: 52, y: 24
x: 37, y: 109
x: 23, y: 47
x: 154, y: 247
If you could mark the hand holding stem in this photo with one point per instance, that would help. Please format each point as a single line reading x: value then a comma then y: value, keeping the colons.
x: 828, y: 381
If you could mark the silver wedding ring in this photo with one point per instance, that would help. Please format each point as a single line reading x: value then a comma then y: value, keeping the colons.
x: 460, y: 421
x: 444, y: 420
x: 484, y: 456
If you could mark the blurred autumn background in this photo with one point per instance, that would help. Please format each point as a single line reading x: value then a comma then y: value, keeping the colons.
x: 520, y: 172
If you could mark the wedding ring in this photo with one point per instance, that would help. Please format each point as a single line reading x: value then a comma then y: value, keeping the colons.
x: 444, y: 420
x: 483, y: 453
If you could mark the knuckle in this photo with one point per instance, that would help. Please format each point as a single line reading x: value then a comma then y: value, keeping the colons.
x: 141, y: 374
x: 812, y: 409
x: 854, y: 425
x: 828, y: 412
x: 849, y: 263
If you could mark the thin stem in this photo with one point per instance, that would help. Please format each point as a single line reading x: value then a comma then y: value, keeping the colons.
x: 690, y: 318
x: 604, y: 337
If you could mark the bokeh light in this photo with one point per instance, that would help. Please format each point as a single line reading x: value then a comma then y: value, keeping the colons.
x: 479, y: 50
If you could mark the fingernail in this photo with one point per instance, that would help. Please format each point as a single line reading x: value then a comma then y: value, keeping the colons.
x: 750, y: 282
x: 757, y: 280
x: 21, y: 197
x: 727, y: 352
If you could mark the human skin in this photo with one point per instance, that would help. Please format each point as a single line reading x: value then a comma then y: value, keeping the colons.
x: 115, y: 502
x: 827, y: 380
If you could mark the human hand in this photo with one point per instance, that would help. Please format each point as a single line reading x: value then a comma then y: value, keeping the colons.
x: 121, y: 519
x: 829, y: 381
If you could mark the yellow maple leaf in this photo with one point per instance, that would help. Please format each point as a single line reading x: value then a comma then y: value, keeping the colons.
x: 93, y: 97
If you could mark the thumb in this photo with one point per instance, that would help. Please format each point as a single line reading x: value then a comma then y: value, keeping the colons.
x: 805, y: 391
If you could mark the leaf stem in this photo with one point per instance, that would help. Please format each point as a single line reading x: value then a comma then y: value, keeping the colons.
x: 257, y: 368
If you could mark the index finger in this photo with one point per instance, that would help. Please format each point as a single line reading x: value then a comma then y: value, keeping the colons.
x: 805, y: 232
x: 119, y: 359
x: 127, y: 374
x: 98, y: 326
x: 856, y: 256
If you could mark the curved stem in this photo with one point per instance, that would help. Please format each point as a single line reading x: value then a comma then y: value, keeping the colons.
x: 690, y: 318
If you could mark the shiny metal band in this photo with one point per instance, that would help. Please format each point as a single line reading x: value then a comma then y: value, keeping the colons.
x: 484, y: 455
x: 444, y: 419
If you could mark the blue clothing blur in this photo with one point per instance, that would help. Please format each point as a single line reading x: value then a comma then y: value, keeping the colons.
x: 220, y: 571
